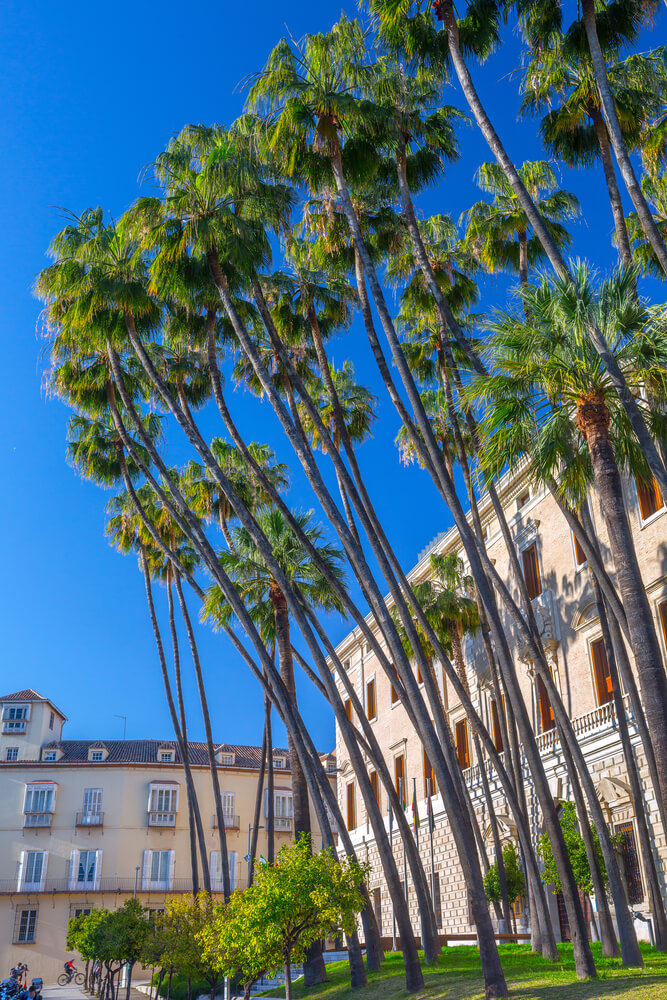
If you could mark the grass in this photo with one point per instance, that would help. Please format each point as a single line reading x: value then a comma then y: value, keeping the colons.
x: 457, y: 977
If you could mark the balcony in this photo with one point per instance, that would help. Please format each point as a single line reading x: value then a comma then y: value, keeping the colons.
x: 37, y: 819
x: 231, y: 822
x: 162, y: 819
x: 89, y: 819
x: 14, y: 728
x: 110, y: 884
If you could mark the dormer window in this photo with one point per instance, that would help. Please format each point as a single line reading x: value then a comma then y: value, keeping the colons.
x: 280, y: 763
x: 166, y: 756
x: 97, y: 754
x: 226, y: 758
x: 50, y: 755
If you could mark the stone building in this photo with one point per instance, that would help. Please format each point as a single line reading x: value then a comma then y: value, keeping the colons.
x: 89, y: 823
x: 557, y: 577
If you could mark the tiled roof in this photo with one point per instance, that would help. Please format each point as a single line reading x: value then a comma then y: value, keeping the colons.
x: 29, y: 694
x: 146, y: 752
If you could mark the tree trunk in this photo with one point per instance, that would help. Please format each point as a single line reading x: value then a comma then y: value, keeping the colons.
x: 257, y: 814
x: 215, y: 780
x: 523, y: 258
x: 622, y: 241
x: 270, y: 824
x: 129, y: 980
x: 646, y: 219
x: 648, y: 659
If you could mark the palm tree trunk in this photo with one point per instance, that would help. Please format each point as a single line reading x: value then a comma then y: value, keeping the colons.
x: 646, y: 219
x: 523, y: 257
x: 215, y: 780
x: 270, y: 814
x: 622, y: 241
x: 445, y: 11
x: 193, y: 804
x: 259, y: 798
x: 648, y: 659
x: 165, y: 679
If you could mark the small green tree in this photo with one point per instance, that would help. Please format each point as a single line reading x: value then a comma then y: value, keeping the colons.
x: 516, y: 883
x: 184, y: 921
x: 576, y: 850
x: 302, y: 898
x: 82, y: 935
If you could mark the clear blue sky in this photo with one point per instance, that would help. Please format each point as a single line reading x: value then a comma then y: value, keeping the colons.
x: 89, y: 96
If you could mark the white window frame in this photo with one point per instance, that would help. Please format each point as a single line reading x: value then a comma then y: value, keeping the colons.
x: 92, y: 804
x: 16, y: 713
x: 50, y: 756
x: 160, y: 788
x: 147, y: 882
x: 33, y: 787
x: 17, y: 939
x: 78, y: 884
x: 166, y: 756
x: 12, y: 754
x: 645, y: 521
x: 280, y: 763
x: 226, y: 759
x: 96, y: 756
x: 27, y: 867
x: 215, y: 870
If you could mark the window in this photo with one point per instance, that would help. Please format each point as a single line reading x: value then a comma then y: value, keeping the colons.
x: 437, y: 900
x: 280, y: 763
x: 166, y: 756
x: 85, y: 867
x: 662, y: 615
x: 399, y: 775
x: 158, y: 870
x: 52, y: 719
x: 32, y: 871
x: 603, y: 686
x: 394, y: 692
x: 216, y: 870
x: 50, y: 755
x: 523, y: 499
x: 495, y: 725
x: 80, y: 911
x: 633, y: 875
x: 283, y: 808
x: 91, y: 814
x: 16, y: 712
x: 461, y: 740
x: 12, y: 753
x: 225, y: 759
x: 351, y: 807
x: 649, y: 498
x: 162, y: 805
x: 547, y: 720
x: 39, y: 804
x: 375, y: 785
x: 377, y: 907
x: 371, y: 708
x: 97, y: 755
x: 25, y: 927
x: 579, y: 554
x: 516, y: 907
x: 228, y: 802
x: 429, y: 775
x: 348, y: 709
x: 531, y: 571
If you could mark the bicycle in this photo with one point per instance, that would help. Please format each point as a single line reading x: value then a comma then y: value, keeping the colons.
x: 65, y: 978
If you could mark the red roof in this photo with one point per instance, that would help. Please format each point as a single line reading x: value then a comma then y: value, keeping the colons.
x: 146, y: 752
x: 29, y: 694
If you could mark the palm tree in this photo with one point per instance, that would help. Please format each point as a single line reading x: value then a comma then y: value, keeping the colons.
x: 655, y: 189
x: 559, y: 79
x: 551, y: 386
x: 500, y: 234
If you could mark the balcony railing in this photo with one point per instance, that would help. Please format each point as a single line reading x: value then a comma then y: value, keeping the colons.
x: 89, y: 819
x: 15, y: 727
x: 282, y: 822
x: 162, y: 819
x: 37, y: 819
x: 111, y: 884
x: 231, y: 822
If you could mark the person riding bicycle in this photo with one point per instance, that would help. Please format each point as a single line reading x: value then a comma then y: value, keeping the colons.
x: 69, y: 968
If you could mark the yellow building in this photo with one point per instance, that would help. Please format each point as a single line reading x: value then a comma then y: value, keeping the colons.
x: 87, y: 823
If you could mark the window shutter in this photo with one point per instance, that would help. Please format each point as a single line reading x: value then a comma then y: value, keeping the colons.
x: 98, y: 868
x: 172, y: 864
x: 266, y: 803
x: 73, y: 868
x: 146, y: 869
x: 213, y: 870
x: 21, y: 870
x: 232, y: 869
x: 45, y: 861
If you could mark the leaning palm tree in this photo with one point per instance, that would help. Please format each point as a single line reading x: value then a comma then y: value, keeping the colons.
x: 655, y: 189
x: 499, y: 232
x: 547, y: 373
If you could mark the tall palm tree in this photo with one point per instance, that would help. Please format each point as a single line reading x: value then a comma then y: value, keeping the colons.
x: 559, y: 80
x: 549, y: 376
x: 655, y: 189
x: 500, y: 233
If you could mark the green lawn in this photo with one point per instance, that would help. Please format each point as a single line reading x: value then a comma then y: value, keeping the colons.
x: 457, y: 977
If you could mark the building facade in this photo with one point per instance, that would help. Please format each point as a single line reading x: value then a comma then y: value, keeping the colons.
x: 558, y: 581
x: 90, y: 823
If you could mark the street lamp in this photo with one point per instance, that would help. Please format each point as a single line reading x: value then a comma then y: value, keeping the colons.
x: 247, y: 858
x: 136, y: 877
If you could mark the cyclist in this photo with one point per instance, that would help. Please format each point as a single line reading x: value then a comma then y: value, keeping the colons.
x: 69, y: 968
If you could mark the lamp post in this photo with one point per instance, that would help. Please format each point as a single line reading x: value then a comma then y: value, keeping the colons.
x: 247, y: 858
x: 136, y: 878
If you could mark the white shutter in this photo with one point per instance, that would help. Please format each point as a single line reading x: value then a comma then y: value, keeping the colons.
x: 266, y: 803
x: 172, y: 864
x: 98, y: 868
x: 73, y: 868
x: 227, y: 799
x: 232, y: 869
x: 45, y: 861
x: 146, y: 869
x: 21, y: 870
x: 213, y: 870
